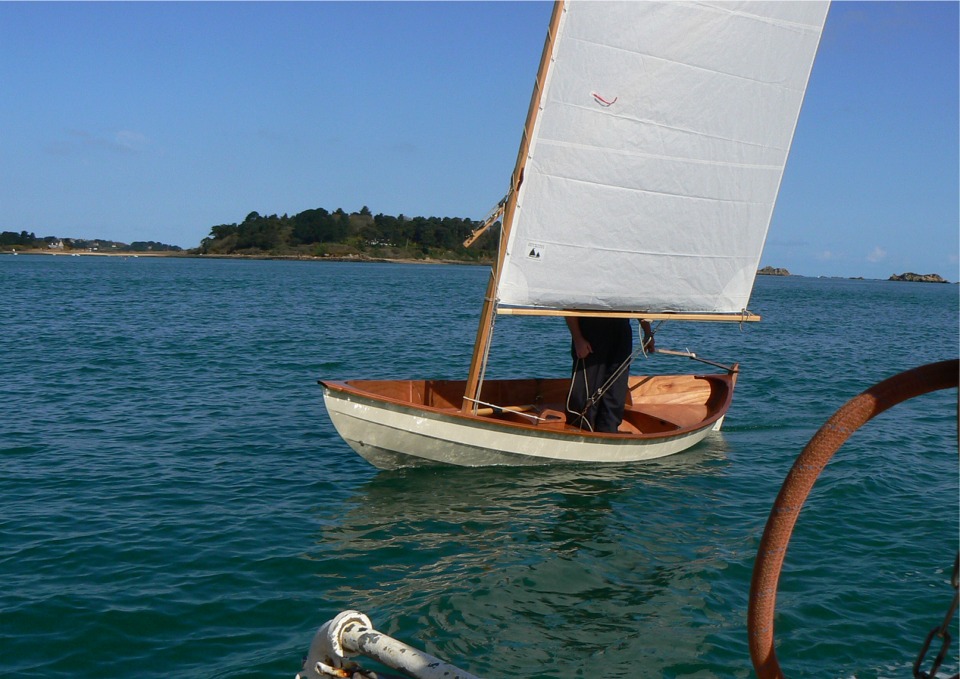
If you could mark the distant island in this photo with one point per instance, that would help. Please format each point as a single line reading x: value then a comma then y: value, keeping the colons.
x: 29, y: 242
x: 356, y: 235
x: 773, y: 271
x: 315, y: 233
x: 918, y: 278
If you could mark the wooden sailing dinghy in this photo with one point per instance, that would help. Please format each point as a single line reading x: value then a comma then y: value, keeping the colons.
x: 649, y: 166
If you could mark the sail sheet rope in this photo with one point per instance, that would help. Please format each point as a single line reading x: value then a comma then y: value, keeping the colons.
x: 605, y: 387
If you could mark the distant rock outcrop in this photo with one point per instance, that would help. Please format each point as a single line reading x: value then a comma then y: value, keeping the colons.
x: 773, y: 271
x: 918, y: 278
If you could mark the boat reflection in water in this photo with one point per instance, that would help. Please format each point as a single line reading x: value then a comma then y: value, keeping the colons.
x: 515, y: 570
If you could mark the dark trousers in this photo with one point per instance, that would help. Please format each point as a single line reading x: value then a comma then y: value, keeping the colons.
x: 612, y: 343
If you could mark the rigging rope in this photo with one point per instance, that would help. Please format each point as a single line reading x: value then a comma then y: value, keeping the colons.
x: 942, y: 631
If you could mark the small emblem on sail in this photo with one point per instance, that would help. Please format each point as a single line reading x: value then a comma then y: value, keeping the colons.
x: 535, y: 251
x: 606, y: 103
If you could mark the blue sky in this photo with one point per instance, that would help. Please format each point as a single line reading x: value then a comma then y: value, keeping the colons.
x: 156, y: 121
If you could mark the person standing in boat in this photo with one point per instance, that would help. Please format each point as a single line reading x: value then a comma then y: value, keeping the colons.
x: 601, y: 349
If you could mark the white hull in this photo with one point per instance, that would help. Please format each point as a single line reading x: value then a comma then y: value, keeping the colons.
x: 391, y: 435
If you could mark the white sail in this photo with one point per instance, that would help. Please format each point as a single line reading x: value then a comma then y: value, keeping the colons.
x: 657, y: 154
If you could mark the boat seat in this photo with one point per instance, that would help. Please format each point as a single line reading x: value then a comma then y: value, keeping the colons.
x: 651, y: 417
x: 548, y: 417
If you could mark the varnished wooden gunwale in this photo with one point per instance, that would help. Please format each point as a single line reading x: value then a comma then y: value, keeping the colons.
x: 658, y: 406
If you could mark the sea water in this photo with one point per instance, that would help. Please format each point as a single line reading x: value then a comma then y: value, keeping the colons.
x: 175, y: 502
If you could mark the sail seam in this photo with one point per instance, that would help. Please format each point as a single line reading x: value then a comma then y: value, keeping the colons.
x: 769, y: 21
x: 658, y: 156
x: 672, y: 128
x: 685, y: 65
x: 635, y: 189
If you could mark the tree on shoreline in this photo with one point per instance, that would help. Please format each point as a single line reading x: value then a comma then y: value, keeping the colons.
x: 313, y: 233
x: 23, y: 239
x: 317, y: 232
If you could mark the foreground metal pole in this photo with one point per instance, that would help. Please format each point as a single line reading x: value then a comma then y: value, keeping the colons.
x: 352, y: 633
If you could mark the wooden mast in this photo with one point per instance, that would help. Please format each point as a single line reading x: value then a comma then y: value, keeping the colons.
x: 481, y: 346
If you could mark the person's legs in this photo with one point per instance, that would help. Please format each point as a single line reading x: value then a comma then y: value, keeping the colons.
x: 609, y: 412
x: 584, y: 384
x: 612, y: 343
x: 617, y: 349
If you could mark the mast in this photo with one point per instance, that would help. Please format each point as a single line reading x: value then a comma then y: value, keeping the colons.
x: 481, y: 346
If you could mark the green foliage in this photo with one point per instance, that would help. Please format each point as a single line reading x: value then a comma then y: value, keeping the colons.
x: 318, y: 232
x: 9, y: 239
x: 150, y: 246
x: 318, y: 226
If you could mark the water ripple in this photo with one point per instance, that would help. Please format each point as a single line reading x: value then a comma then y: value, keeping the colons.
x: 174, y: 498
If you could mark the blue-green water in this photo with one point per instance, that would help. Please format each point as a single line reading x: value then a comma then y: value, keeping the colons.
x: 174, y: 501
